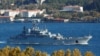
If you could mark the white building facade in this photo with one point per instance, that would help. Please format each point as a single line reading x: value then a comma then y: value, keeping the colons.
x: 73, y: 8
x: 22, y: 13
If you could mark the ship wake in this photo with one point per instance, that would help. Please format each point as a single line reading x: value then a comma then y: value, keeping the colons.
x: 1, y: 42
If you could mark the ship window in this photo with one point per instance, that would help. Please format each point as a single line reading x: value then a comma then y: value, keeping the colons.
x: 76, y: 41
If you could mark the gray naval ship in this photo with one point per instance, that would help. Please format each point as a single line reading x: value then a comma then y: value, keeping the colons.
x: 38, y: 36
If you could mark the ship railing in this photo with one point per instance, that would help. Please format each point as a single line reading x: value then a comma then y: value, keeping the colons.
x: 90, y: 36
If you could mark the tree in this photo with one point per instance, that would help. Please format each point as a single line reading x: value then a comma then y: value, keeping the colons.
x: 44, y: 54
x: 38, y: 53
x: 54, y: 53
x: 68, y: 52
x: 89, y: 53
x: 29, y: 51
x: 60, y: 53
x: 22, y: 54
x: 76, y: 52
x: 6, y: 51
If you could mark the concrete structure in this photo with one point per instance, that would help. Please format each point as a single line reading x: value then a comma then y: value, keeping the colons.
x: 22, y: 13
x: 11, y: 13
x: 33, y: 13
x: 4, y: 19
x: 2, y: 11
x: 71, y: 8
x: 66, y: 20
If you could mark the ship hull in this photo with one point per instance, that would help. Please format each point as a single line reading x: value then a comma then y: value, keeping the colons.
x: 50, y: 41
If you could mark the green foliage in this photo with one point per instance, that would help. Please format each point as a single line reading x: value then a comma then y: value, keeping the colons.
x: 53, y: 4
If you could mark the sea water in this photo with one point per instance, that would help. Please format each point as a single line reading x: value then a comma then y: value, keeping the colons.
x: 66, y: 29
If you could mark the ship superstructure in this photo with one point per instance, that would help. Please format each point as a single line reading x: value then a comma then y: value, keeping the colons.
x: 35, y: 35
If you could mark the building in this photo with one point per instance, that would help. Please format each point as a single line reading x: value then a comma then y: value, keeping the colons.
x: 71, y: 8
x: 12, y: 14
x: 23, y: 13
x: 33, y: 13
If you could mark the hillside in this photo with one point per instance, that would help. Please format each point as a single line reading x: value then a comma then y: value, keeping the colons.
x: 55, y: 4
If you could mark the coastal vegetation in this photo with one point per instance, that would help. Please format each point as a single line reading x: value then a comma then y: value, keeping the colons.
x: 29, y: 51
x: 86, y: 16
x: 91, y: 8
x: 57, y: 4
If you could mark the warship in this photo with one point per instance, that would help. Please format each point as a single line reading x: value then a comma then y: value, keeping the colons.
x: 38, y: 36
